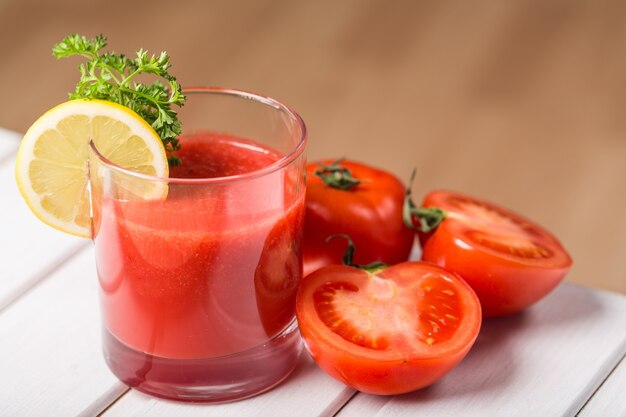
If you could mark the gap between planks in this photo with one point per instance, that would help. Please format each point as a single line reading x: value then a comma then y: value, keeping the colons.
x: 345, y: 403
x: 608, y: 376
x: 106, y: 401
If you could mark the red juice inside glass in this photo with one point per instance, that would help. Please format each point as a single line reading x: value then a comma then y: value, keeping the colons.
x: 198, y: 288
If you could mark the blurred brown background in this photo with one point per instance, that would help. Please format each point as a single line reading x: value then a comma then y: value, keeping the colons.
x: 519, y: 102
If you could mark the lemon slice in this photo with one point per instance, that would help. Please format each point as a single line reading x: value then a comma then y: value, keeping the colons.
x: 52, y: 167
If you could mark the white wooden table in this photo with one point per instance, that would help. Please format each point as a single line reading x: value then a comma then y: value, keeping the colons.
x: 562, y: 357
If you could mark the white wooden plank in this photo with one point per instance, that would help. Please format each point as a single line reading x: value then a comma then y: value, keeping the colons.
x: 610, y: 399
x: 50, y: 355
x: 307, y: 392
x: 30, y: 249
x: 546, y: 361
x: 9, y: 141
x: 363, y: 405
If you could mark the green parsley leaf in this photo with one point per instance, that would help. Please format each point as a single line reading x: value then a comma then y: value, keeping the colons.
x: 110, y: 76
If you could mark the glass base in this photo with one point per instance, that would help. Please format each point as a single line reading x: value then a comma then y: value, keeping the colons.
x: 217, y: 379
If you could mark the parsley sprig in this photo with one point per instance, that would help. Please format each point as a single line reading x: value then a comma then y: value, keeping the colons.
x: 110, y: 76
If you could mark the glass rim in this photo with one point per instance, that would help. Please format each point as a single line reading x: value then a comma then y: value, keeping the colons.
x: 284, y: 161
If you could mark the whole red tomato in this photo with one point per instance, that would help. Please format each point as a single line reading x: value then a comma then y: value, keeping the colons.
x: 387, y: 330
x: 508, y: 260
x: 278, y: 273
x: 358, y: 200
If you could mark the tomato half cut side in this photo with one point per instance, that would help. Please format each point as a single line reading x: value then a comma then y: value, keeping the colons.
x: 387, y: 332
x: 509, y: 261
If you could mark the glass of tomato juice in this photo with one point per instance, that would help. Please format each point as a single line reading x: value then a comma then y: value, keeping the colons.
x: 198, y: 271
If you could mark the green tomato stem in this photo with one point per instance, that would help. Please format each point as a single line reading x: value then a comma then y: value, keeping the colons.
x: 428, y: 218
x: 348, y: 256
x: 337, y: 176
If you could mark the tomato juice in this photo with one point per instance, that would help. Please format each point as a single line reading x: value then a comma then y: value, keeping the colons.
x: 199, y: 288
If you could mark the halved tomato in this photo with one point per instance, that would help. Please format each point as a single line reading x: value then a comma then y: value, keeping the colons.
x: 509, y: 261
x: 390, y: 330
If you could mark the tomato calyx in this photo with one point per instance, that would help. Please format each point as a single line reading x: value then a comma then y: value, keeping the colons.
x: 422, y: 219
x: 348, y: 256
x: 337, y: 176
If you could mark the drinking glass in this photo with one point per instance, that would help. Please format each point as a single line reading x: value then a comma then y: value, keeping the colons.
x: 198, y: 271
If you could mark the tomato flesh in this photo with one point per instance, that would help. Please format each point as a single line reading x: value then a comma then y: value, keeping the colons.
x: 334, y: 298
x: 392, y: 331
x: 510, y: 245
x: 439, y: 311
x: 509, y: 261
